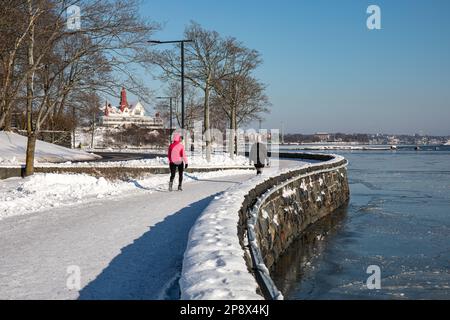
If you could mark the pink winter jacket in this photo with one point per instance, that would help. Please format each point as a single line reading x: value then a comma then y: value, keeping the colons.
x: 176, y: 153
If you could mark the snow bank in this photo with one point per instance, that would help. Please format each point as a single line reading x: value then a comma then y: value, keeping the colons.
x: 161, y: 151
x: 198, y: 161
x: 13, y: 150
x: 44, y: 191
x: 214, y: 266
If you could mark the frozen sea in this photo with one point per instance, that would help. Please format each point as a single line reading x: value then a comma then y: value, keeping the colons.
x: 398, y: 219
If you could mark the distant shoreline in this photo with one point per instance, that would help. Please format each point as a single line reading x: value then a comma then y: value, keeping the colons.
x: 360, y: 147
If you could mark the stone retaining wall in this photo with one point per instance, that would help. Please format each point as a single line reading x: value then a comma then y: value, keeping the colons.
x: 244, y: 230
x: 276, y: 212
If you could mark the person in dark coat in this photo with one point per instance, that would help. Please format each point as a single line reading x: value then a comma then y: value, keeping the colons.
x: 258, y: 156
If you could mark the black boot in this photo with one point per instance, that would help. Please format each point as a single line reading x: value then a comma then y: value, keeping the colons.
x: 170, y: 185
x: 180, y: 188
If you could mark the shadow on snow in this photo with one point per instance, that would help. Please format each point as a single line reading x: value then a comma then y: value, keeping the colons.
x: 149, y: 267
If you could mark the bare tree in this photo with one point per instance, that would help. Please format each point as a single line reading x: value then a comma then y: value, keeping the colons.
x: 112, y: 35
x: 16, y: 22
x: 251, y: 102
x: 205, y: 61
x: 240, y: 96
x: 31, y: 142
x: 222, y: 70
x: 88, y: 106
x: 193, y: 104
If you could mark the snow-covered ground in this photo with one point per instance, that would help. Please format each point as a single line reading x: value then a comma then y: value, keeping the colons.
x: 44, y: 191
x: 127, y: 239
x: 13, y: 151
x: 125, y: 247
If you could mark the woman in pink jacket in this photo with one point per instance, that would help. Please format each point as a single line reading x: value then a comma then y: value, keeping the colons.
x: 177, y: 160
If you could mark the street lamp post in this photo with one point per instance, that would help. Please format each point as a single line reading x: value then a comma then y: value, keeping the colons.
x: 182, y: 71
x: 170, y: 113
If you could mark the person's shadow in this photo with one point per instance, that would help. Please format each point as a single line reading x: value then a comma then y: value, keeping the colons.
x: 149, y: 267
x: 213, y: 180
x: 138, y: 185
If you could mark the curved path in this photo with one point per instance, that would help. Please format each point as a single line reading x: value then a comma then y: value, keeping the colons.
x: 127, y: 249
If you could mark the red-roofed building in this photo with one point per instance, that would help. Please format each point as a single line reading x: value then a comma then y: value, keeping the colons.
x: 129, y: 114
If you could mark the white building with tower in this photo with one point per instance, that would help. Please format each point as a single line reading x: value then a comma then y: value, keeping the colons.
x: 129, y: 114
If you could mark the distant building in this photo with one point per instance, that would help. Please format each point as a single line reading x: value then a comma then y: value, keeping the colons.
x: 393, y: 140
x: 322, y: 136
x: 129, y: 114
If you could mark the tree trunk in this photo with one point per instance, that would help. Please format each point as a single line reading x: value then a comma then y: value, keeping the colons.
x: 231, y: 140
x: 6, y: 114
x: 235, y: 130
x: 233, y: 144
x: 31, y: 133
x: 93, y: 132
x: 7, y: 120
x: 31, y: 147
x: 2, y: 119
x: 207, y: 125
x: 234, y: 118
x: 5, y: 123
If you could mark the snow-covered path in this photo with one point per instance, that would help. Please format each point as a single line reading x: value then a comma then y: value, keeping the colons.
x: 128, y: 248
x: 131, y: 248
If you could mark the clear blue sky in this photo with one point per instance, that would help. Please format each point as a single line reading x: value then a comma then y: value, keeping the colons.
x: 325, y: 70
